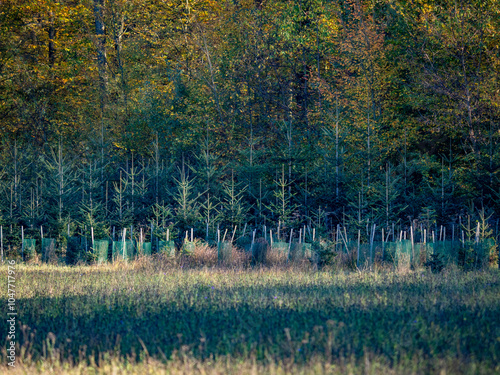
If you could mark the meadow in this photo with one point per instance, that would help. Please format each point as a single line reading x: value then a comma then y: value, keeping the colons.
x: 151, y: 316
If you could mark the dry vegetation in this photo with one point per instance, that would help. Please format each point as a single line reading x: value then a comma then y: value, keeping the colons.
x: 191, y: 314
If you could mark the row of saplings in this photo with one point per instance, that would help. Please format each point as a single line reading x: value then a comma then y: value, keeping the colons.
x: 259, y: 251
x: 82, y: 249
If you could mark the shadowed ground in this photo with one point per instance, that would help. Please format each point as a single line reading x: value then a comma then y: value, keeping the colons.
x: 263, y: 315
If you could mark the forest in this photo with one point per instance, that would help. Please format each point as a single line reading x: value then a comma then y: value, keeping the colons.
x: 250, y: 187
x: 211, y: 114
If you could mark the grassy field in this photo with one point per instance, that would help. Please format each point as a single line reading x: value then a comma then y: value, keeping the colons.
x: 151, y: 317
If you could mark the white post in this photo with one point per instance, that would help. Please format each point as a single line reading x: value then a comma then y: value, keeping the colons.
x: 22, y: 242
x: 359, y: 240
x: 371, y: 245
x: 290, y: 243
x: 383, y: 244
x: 253, y: 240
x: 412, y: 244
x: 234, y: 232
x: 123, y: 242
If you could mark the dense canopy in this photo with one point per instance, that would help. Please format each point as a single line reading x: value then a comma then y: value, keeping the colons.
x: 198, y: 113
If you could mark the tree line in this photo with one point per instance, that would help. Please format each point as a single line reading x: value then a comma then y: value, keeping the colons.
x: 211, y: 113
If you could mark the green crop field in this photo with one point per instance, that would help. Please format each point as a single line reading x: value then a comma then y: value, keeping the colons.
x: 148, y: 316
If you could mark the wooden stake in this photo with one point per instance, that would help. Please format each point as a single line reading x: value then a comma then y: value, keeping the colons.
x: 412, y: 243
x: 234, y: 232
x: 383, y: 243
x: 371, y: 245
x: 290, y: 243
x: 123, y: 242
x: 224, y: 237
x: 92, y: 236
x: 22, y: 242
x: 191, y: 234
x: 359, y: 240
x: 344, y: 240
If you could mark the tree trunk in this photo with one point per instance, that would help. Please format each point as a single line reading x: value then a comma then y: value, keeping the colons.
x: 100, y: 32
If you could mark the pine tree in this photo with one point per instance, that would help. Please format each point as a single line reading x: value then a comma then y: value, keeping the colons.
x: 187, y: 208
x: 234, y: 209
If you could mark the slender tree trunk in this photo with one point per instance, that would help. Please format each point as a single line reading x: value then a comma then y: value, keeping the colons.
x: 52, y: 35
x: 100, y: 32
